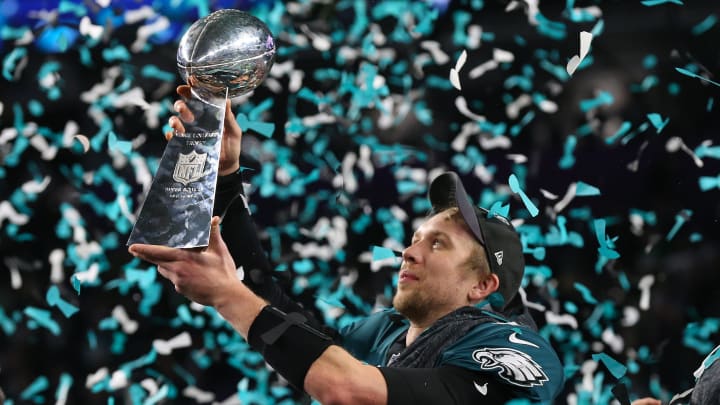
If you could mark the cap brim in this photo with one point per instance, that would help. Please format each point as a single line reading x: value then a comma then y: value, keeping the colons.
x: 446, y: 191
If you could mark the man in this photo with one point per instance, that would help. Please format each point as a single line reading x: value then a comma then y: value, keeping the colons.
x: 458, y: 333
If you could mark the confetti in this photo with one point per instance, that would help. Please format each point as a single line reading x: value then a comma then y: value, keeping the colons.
x: 576, y: 60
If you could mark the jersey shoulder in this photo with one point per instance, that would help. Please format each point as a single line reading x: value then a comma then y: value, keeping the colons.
x: 512, y: 354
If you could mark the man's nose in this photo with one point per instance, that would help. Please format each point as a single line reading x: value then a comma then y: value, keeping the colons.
x: 410, y: 254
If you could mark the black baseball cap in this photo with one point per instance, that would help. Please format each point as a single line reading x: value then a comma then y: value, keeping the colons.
x: 494, y: 232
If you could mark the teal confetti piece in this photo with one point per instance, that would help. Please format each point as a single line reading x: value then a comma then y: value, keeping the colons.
x: 657, y: 121
x: 708, y: 183
x: 6, y: 323
x: 43, y: 318
x: 710, y: 103
x: 624, y: 128
x: 498, y: 208
x: 586, y: 294
x: 607, y: 248
x: 11, y: 61
x: 40, y: 384
x: 116, y: 54
x: 705, y: 25
x: 53, y: 299
x: 304, y: 266
x: 583, y: 190
x: 680, y: 219
x: 568, y: 160
x: 707, y: 150
x: 695, y: 75
x: 155, y: 72
x: 651, y: 3
x: 617, y: 369
x: 514, y: 184
x: 383, y: 253
x: 125, y: 147
x: 265, y: 129
x: 603, y: 98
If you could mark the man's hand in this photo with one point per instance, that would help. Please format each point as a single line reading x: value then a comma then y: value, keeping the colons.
x: 232, y: 134
x: 206, y: 276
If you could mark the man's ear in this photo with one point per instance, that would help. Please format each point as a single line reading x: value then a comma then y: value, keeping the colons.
x: 483, y: 288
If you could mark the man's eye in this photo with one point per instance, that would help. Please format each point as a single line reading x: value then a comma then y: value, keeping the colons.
x: 436, y: 243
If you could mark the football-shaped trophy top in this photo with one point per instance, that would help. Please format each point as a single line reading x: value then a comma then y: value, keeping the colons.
x: 228, y: 49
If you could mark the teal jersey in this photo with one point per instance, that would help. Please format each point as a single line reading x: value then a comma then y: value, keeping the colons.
x: 509, y: 353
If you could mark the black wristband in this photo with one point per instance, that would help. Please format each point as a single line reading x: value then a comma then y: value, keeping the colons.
x: 287, y: 343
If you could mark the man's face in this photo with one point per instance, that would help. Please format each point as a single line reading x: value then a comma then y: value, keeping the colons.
x: 434, y: 277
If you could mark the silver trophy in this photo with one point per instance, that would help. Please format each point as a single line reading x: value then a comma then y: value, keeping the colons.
x: 224, y: 55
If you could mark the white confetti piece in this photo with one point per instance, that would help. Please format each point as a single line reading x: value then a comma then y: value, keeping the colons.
x: 47, y: 151
x: 512, y: 110
x: 488, y: 142
x: 132, y: 97
x: 378, y: 37
x: 56, y: 258
x: 517, y: 158
x: 565, y: 319
x: 461, y: 105
x: 8, y: 212
x: 548, y: 195
x: 460, y: 141
x: 166, y: 347
x: 103, y: 3
x: 474, y: 37
x: 96, y: 377
x: 569, y: 196
x: 321, y: 42
x: 35, y: 187
x: 90, y: 29
x: 644, y: 285
x: 8, y: 134
x: 198, y: 395
x: 146, y: 31
x: 137, y: 15
x: 676, y: 143
x: 574, y: 62
x: 438, y: 55
x: 15, y: 279
x: 118, y: 380
x: 548, y: 106
x: 483, y: 68
x: 128, y: 325
x: 150, y: 385
x: 89, y: 275
x: 502, y: 56
x: 613, y: 340
x: 631, y: 316
x: 455, y: 72
x: 455, y: 79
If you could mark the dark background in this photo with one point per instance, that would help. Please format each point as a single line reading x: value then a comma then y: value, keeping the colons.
x: 303, y: 174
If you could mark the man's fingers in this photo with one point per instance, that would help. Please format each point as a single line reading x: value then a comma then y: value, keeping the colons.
x: 155, y: 254
x: 184, y: 111
x: 176, y: 125
x: 184, y: 91
x: 215, y: 232
x: 167, y: 274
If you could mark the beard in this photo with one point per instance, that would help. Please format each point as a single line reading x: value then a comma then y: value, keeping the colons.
x: 413, y: 305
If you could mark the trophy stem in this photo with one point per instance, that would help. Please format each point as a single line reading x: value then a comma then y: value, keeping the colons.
x: 178, y: 207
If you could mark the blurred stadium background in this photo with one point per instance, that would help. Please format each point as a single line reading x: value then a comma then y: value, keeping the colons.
x: 618, y: 157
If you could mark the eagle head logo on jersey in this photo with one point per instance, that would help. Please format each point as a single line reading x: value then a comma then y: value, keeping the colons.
x: 514, y: 366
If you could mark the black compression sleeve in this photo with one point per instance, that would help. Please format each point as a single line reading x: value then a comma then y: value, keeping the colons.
x: 241, y: 237
x: 443, y: 385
